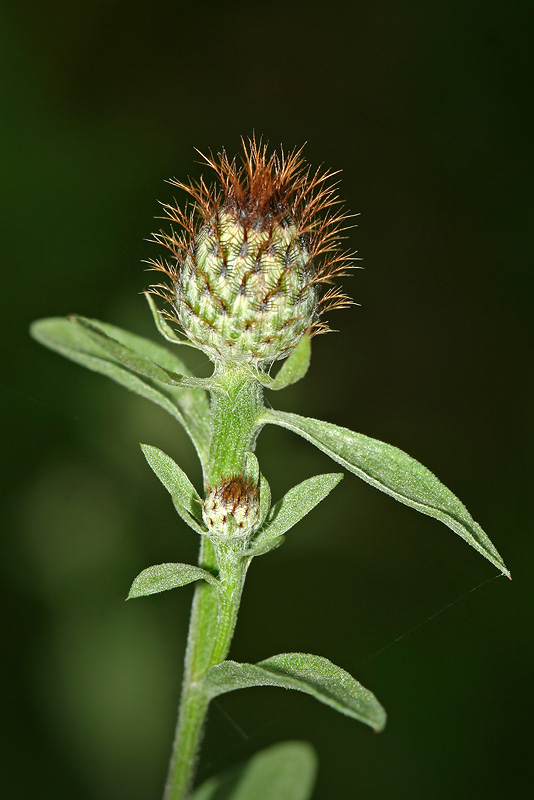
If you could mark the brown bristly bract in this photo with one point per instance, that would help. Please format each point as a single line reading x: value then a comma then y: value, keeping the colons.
x: 235, y: 500
x: 264, y: 191
x: 233, y: 489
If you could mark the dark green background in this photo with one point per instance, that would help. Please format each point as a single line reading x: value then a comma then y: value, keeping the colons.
x: 424, y: 105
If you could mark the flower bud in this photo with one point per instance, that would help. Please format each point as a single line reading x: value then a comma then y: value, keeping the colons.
x: 245, y: 294
x: 252, y: 256
x: 232, y: 509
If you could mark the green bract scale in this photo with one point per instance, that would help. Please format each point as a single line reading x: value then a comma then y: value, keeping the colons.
x: 246, y: 294
x: 251, y: 256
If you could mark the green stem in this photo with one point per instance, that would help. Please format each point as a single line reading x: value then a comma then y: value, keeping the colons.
x: 232, y: 573
x: 236, y: 404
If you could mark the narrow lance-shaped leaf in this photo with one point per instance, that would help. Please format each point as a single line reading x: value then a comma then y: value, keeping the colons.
x: 393, y: 472
x: 163, y: 577
x: 190, y: 406
x: 192, y: 400
x: 64, y: 337
x: 265, y: 500
x: 184, y: 495
x: 296, y: 503
x: 285, y: 771
x: 293, y: 369
x: 251, y: 471
x: 163, y: 327
x: 125, y: 355
x: 260, y: 545
x: 314, y: 675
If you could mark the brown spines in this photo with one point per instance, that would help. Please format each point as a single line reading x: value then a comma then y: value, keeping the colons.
x: 333, y: 299
x: 232, y: 490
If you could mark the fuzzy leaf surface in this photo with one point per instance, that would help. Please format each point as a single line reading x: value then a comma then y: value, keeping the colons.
x: 265, y: 500
x: 296, y: 503
x: 264, y: 546
x: 184, y: 495
x: 119, y: 352
x: 293, y: 369
x: 251, y: 471
x: 314, y: 675
x: 394, y: 472
x: 285, y: 771
x: 190, y: 406
x: 162, y: 577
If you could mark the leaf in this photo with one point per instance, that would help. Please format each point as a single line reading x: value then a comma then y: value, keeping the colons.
x: 190, y: 406
x: 184, y: 495
x: 307, y: 673
x: 293, y: 369
x: 263, y: 546
x: 298, y: 502
x: 285, y: 771
x: 125, y: 355
x: 251, y: 470
x: 163, y: 327
x: 265, y: 500
x: 394, y: 472
x: 162, y: 577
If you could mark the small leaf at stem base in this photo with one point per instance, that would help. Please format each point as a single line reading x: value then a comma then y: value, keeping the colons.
x: 293, y: 369
x: 163, y: 327
x: 184, y: 495
x: 162, y: 577
x: 296, y: 503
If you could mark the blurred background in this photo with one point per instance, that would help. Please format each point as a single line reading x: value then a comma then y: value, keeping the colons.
x: 424, y: 108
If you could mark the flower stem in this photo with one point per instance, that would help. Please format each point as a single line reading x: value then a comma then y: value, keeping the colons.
x: 236, y: 405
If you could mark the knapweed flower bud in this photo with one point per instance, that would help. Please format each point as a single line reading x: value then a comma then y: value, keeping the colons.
x: 232, y: 509
x: 252, y: 255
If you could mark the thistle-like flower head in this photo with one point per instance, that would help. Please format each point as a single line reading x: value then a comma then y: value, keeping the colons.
x: 251, y: 255
x: 231, y: 509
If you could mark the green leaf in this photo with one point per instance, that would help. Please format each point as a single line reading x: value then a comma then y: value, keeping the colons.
x: 163, y: 327
x: 263, y: 546
x: 298, y: 502
x: 307, y: 673
x: 252, y: 473
x: 265, y: 500
x: 184, y: 495
x: 251, y: 470
x: 125, y: 355
x: 285, y: 771
x: 162, y: 577
x: 393, y: 472
x: 293, y: 369
x: 141, y: 364
x: 190, y: 406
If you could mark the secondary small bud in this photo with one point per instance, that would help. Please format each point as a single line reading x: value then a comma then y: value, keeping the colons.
x: 252, y: 255
x: 232, y: 509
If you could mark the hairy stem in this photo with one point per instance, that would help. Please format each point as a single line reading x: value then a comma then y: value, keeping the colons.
x: 236, y: 405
